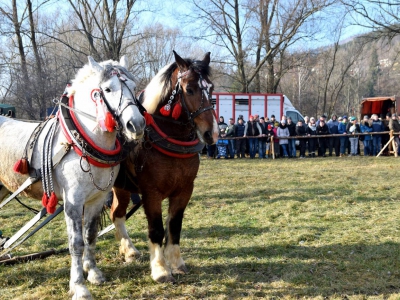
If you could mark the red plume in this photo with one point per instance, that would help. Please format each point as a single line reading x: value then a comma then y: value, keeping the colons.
x: 110, y: 122
x: 165, y: 110
x: 21, y: 166
x: 176, y: 112
x: 45, y: 199
x: 51, y: 205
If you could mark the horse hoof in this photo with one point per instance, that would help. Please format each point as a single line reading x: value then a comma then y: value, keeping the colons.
x: 80, y: 292
x: 180, y: 271
x: 96, y: 277
x: 165, y: 279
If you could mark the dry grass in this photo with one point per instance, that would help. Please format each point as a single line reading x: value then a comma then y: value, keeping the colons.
x: 283, y: 229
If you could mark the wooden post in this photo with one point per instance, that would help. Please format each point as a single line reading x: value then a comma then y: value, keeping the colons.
x: 273, y: 147
x: 384, y: 147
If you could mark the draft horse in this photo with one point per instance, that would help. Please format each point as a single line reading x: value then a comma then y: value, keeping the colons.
x: 100, y: 102
x: 180, y: 119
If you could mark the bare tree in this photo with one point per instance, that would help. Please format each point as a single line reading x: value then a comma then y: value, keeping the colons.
x: 255, y: 33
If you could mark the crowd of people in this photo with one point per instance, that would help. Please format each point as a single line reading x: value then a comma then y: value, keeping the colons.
x: 260, y: 135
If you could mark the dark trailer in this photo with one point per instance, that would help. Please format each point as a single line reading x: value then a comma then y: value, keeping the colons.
x: 380, y: 106
x: 7, y: 110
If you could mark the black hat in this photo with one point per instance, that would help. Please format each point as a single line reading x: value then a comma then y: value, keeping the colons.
x: 262, y: 118
x: 272, y: 116
x: 221, y: 117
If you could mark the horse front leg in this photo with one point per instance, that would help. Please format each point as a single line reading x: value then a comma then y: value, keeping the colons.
x: 160, y: 271
x: 73, y: 219
x: 90, y: 229
x: 177, y: 206
x: 121, y: 199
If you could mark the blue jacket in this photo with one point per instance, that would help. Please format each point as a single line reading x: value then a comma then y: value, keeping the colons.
x: 333, y: 126
x: 239, y: 130
x: 342, y: 128
x: 378, y: 126
x: 364, y: 129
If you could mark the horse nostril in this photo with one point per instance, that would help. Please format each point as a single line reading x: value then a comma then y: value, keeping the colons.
x: 207, y: 135
x: 131, y: 127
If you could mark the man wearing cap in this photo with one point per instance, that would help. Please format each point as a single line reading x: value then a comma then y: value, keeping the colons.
x: 252, y: 130
x: 343, y: 139
x: 365, y: 127
x: 395, y: 126
x: 377, y: 126
x: 241, y: 142
x: 230, y: 133
x: 269, y: 133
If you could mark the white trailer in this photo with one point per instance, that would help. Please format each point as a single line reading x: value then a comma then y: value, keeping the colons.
x: 231, y: 105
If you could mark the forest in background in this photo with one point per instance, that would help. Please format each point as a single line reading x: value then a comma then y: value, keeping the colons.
x: 300, y: 48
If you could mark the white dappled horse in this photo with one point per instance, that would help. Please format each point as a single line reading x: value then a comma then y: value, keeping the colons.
x: 81, y: 185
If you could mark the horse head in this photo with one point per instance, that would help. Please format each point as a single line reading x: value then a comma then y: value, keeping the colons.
x: 196, y: 91
x: 111, y: 88
x: 184, y: 90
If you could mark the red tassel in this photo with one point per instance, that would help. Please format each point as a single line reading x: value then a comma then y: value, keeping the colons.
x: 110, y: 122
x: 21, y: 166
x: 45, y: 199
x: 52, y: 204
x: 176, y: 112
x: 165, y: 110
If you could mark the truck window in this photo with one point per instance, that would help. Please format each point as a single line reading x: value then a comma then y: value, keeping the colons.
x: 295, y: 116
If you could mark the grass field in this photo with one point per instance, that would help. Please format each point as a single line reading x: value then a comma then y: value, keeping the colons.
x: 323, y: 228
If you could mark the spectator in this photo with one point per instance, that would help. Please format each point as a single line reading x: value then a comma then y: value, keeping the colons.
x: 365, y: 127
x: 305, y: 124
x: 301, y: 131
x: 230, y: 132
x: 343, y: 139
x: 353, y: 128
x: 252, y: 130
x: 269, y: 133
x: 240, y: 143
x: 262, y: 141
x: 222, y: 144
x: 292, y: 142
x: 312, y: 131
x: 276, y: 141
x: 322, y: 129
x: 334, y: 141
x: 395, y: 126
x: 283, y: 131
x: 385, y: 137
x: 272, y: 120
x: 323, y: 117
x: 377, y: 126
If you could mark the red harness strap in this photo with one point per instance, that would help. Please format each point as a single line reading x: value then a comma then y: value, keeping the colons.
x: 88, y: 140
x: 150, y: 122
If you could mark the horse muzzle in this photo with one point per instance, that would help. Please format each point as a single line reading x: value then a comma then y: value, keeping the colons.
x: 134, y: 129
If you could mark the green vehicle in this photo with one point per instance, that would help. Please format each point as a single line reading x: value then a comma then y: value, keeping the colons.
x: 7, y: 110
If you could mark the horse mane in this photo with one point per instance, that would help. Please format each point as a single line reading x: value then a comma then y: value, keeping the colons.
x: 86, y: 72
x: 160, y: 87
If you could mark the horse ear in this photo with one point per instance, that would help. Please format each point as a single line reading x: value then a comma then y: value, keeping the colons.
x: 182, y: 65
x: 206, y: 58
x: 95, y: 65
x: 124, y: 62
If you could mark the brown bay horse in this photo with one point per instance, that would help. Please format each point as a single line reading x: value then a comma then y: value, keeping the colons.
x: 178, y: 102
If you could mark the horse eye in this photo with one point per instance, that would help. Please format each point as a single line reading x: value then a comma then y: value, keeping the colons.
x: 108, y: 90
x: 189, y: 91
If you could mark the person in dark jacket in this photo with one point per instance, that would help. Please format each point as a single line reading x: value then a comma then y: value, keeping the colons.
x: 230, y: 132
x: 262, y: 141
x: 252, y: 130
x: 395, y: 126
x: 352, y: 128
x: 269, y: 133
x: 301, y: 131
x: 333, y: 142
x: 292, y: 142
x: 377, y: 126
x: 312, y: 131
x: 322, y: 129
x: 343, y: 139
x: 240, y: 143
x: 366, y: 127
